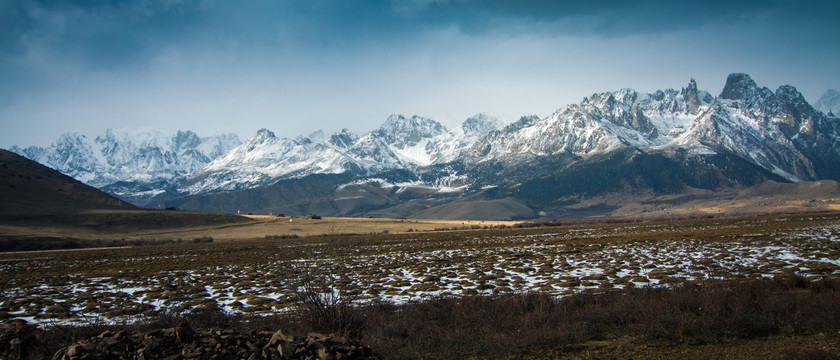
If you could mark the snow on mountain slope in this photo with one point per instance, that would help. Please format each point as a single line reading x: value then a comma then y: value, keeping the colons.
x: 71, y: 154
x: 448, y: 147
x: 130, y: 155
x: 829, y: 102
x: 746, y: 126
x: 771, y: 130
x: 778, y: 131
x: 599, y: 124
x: 408, y: 138
x: 400, y: 143
x: 262, y: 159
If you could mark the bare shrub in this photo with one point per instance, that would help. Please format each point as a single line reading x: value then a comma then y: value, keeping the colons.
x: 810, y: 354
x: 324, y: 303
x: 202, y: 240
x: 516, y: 323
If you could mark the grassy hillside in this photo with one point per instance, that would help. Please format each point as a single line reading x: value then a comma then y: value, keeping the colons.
x: 28, y: 188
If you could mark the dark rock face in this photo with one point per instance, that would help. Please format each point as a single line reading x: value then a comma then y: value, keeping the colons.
x: 739, y: 86
x: 692, y: 97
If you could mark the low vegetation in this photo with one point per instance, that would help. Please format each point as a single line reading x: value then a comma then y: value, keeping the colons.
x: 533, y: 325
x: 545, y: 290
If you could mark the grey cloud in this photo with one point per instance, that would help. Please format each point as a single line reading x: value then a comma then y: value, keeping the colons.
x: 123, y: 33
x: 96, y: 33
x: 617, y: 18
x: 264, y: 60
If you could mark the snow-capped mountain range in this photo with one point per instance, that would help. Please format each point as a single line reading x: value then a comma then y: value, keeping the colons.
x: 134, y: 156
x: 599, y: 124
x: 612, y: 141
x: 400, y: 143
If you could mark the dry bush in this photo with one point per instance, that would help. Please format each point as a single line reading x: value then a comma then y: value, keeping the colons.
x: 324, y: 303
x: 515, y: 323
x: 810, y: 354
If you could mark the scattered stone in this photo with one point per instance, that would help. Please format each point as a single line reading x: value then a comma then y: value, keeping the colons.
x: 18, y: 338
x: 185, y: 343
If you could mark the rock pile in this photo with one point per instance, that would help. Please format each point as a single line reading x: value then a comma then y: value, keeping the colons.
x: 185, y: 343
x: 17, y: 339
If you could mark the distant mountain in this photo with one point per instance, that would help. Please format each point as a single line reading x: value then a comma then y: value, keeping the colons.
x: 619, y: 144
x: 400, y: 143
x: 136, y: 163
x: 829, y: 102
x: 599, y: 124
x: 780, y: 132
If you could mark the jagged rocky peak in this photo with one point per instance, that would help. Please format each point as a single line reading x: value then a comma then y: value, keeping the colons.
x: 400, y: 131
x: 479, y: 125
x: 108, y: 141
x: 789, y: 94
x: 72, y: 154
x: 185, y: 140
x: 73, y: 149
x: 262, y: 135
x: 523, y: 122
x: 692, y: 97
x: 742, y: 89
x: 612, y: 100
x: 623, y: 108
x: 303, y: 141
x: 692, y: 86
x: 739, y: 86
x: 402, y: 124
x: 794, y: 103
x: 71, y: 139
x: 343, y: 139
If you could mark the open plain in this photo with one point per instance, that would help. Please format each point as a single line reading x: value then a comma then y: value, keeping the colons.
x: 259, y: 275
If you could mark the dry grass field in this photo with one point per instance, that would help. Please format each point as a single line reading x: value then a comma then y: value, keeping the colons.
x: 302, y: 226
x: 765, y: 198
x: 160, y: 226
x: 252, y: 270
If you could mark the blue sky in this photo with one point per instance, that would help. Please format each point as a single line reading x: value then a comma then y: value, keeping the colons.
x: 293, y: 67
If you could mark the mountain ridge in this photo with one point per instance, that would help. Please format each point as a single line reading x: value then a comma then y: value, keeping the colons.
x: 662, y: 142
x: 126, y: 158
